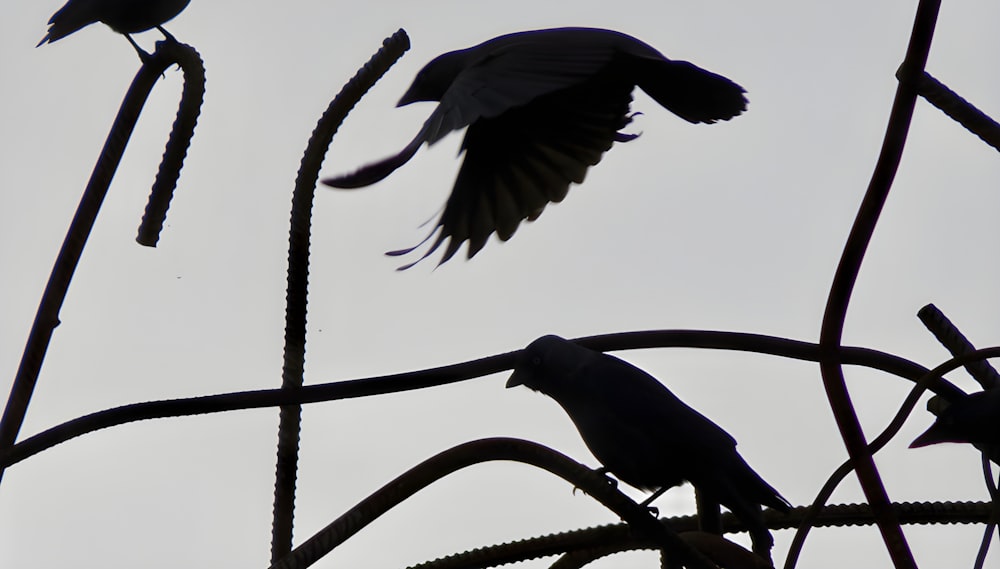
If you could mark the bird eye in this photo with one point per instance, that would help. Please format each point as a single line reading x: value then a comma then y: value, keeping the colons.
x: 536, y: 361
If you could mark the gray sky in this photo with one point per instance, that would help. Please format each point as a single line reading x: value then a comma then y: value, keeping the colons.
x: 735, y: 226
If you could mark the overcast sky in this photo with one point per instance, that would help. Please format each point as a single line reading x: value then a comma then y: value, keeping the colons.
x: 734, y: 226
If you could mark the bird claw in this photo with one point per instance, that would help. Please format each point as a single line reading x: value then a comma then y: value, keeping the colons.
x: 603, y: 472
x: 653, y: 511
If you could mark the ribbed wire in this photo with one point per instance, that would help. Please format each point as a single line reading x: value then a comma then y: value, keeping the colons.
x: 960, y: 110
x: 192, y: 97
x: 293, y: 367
x: 595, y: 485
x: 957, y: 344
x: 419, y: 379
x: 47, y: 315
x: 592, y: 543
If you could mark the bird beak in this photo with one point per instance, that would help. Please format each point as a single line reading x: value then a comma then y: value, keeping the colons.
x: 931, y: 436
x: 408, y: 97
x: 516, y: 378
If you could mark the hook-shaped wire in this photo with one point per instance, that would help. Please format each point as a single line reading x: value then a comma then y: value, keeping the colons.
x: 47, y: 317
x: 293, y: 368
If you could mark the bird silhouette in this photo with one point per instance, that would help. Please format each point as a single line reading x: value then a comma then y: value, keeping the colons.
x: 974, y: 419
x: 541, y: 107
x: 643, y: 434
x: 123, y: 16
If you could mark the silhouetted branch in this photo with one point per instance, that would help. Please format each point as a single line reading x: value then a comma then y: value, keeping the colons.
x: 47, y: 316
x: 831, y: 331
x: 298, y: 281
x: 453, y: 373
x: 593, y: 483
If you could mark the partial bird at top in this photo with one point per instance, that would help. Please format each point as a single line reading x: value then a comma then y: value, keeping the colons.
x: 541, y: 107
x: 123, y: 16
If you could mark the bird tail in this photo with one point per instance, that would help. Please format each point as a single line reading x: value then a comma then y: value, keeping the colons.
x: 765, y: 493
x: 70, y: 18
x: 690, y: 92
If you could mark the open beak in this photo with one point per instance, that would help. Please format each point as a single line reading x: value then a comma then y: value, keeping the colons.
x: 516, y: 378
x: 931, y: 436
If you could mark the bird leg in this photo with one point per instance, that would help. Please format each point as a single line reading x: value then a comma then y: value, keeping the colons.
x: 143, y: 55
x: 645, y: 503
x: 167, y: 34
x: 709, y: 513
x: 604, y: 472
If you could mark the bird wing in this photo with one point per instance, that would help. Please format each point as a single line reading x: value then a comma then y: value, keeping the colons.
x: 512, y: 70
x: 640, y: 398
x: 517, y: 163
x: 506, y: 73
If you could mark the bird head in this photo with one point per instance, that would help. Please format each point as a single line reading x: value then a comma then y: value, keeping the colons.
x: 435, y: 78
x: 971, y: 419
x: 548, y: 365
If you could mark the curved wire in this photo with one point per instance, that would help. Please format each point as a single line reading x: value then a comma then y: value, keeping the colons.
x: 880, y: 441
x: 181, y: 133
x: 592, y: 543
x: 293, y: 368
x: 47, y: 316
x: 770, y: 345
x: 595, y: 484
x: 835, y: 314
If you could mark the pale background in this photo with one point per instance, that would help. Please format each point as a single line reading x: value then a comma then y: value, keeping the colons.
x: 736, y: 226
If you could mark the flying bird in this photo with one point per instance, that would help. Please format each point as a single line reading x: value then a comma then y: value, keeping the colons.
x: 643, y: 434
x: 973, y: 419
x: 541, y: 107
x: 123, y: 16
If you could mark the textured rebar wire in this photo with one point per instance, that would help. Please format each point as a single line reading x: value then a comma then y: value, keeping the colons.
x: 296, y: 296
x: 958, y: 109
x: 957, y: 344
x: 192, y: 97
x: 47, y: 316
x: 845, y: 277
x: 890, y: 431
x: 614, y: 538
x: 991, y: 526
x: 638, y: 518
x: 718, y: 340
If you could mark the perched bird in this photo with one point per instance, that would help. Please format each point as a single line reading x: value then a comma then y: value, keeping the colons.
x: 123, y: 16
x: 643, y: 434
x: 972, y: 419
x: 541, y: 107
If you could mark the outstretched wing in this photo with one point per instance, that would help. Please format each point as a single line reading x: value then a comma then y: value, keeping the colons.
x: 520, y: 161
x: 513, y: 70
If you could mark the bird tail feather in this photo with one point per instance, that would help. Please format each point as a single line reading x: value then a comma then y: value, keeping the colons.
x: 70, y: 18
x: 692, y: 93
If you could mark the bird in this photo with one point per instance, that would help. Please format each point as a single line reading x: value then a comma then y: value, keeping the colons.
x: 645, y: 435
x: 974, y: 419
x: 123, y: 16
x: 540, y: 108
